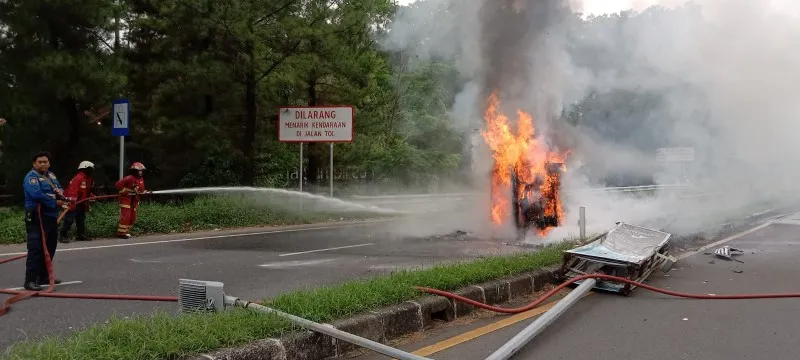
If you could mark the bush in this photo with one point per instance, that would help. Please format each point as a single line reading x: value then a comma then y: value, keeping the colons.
x: 200, y: 213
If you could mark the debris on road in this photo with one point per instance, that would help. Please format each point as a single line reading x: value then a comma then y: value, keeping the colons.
x: 727, y: 252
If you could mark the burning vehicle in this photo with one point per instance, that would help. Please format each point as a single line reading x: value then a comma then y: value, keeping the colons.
x: 526, y: 174
x: 536, y: 203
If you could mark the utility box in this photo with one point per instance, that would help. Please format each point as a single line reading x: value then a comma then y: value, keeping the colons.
x: 200, y: 296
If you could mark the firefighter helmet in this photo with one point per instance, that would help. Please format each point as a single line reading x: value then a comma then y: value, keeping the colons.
x: 137, y: 166
x: 85, y: 165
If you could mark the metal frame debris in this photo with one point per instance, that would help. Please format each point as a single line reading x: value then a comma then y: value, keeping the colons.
x: 626, y: 250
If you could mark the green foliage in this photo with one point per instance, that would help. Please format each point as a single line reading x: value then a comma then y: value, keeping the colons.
x: 202, y: 213
x: 56, y: 65
x: 205, y: 80
x: 166, y: 337
x: 157, y: 337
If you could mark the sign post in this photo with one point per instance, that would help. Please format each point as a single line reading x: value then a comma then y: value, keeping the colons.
x: 121, y: 113
x: 316, y: 124
x: 300, y: 172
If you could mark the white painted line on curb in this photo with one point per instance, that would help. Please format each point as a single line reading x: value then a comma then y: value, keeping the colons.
x: 63, y: 283
x: 326, y: 249
x: 201, y: 238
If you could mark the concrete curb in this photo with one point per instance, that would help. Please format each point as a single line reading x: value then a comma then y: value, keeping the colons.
x: 386, y: 324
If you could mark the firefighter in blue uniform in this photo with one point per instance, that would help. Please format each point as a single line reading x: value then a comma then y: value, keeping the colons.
x: 42, y: 191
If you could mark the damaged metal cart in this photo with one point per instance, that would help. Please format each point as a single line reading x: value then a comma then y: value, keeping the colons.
x: 627, y: 251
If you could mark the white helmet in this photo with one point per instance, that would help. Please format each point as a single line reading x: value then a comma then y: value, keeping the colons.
x: 85, y: 164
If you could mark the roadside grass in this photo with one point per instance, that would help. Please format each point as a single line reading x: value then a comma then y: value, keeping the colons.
x: 200, y: 213
x: 164, y: 336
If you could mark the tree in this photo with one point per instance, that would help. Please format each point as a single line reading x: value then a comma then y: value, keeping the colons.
x: 56, y: 65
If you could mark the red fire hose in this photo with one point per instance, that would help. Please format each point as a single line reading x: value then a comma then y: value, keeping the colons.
x: 22, y: 295
x: 604, y: 277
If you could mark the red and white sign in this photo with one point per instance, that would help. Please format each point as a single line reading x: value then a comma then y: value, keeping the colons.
x: 315, y: 124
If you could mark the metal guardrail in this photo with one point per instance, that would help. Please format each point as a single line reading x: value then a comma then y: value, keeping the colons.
x: 399, y: 197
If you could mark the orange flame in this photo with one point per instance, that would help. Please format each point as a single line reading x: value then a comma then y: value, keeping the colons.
x: 528, y: 157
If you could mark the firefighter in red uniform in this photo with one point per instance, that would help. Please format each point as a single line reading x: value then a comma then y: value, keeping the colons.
x: 130, y: 187
x: 79, y: 189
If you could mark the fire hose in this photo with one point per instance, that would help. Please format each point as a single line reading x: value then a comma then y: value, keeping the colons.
x: 558, y: 288
x: 18, y: 295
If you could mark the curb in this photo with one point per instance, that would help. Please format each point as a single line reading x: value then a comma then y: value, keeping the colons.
x: 387, y: 323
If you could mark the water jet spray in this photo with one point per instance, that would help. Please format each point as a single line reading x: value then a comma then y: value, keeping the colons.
x: 324, y: 201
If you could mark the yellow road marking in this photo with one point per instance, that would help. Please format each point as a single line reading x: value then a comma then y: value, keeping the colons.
x: 473, y: 334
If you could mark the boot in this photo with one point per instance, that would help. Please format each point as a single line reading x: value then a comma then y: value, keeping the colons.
x: 45, y: 281
x: 31, y: 283
x: 82, y: 238
x: 32, y: 286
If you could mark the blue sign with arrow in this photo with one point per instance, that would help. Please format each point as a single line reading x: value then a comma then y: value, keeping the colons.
x: 121, y: 116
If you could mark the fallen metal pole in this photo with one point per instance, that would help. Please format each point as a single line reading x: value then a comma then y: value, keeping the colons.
x: 526, y: 335
x: 329, y: 330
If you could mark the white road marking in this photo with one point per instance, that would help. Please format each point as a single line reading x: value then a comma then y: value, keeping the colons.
x: 787, y: 222
x: 63, y: 283
x: 296, y: 263
x: 326, y: 249
x: 204, y: 238
x: 727, y: 239
x: 146, y: 261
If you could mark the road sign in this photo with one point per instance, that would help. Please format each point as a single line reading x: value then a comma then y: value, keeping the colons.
x: 676, y: 154
x: 315, y: 124
x: 121, y: 114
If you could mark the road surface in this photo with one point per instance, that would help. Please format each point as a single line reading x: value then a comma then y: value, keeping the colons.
x: 652, y: 326
x: 253, y: 264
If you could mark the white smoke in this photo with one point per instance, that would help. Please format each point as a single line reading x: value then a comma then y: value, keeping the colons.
x: 724, y: 70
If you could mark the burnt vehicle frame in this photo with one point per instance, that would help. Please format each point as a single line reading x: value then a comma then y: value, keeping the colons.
x: 528, y: 203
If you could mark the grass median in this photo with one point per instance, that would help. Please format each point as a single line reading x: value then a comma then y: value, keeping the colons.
x: 163, y: 336
x: 200, y: 213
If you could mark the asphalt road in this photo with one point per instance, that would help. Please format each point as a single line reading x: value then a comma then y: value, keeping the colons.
x: 253, y: 264
x: 652, y: 326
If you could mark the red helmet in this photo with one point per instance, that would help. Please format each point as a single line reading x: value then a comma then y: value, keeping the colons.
x: 137, y: 166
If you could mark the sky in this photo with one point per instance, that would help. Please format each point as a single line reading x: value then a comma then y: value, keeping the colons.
x: 599, y: 7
